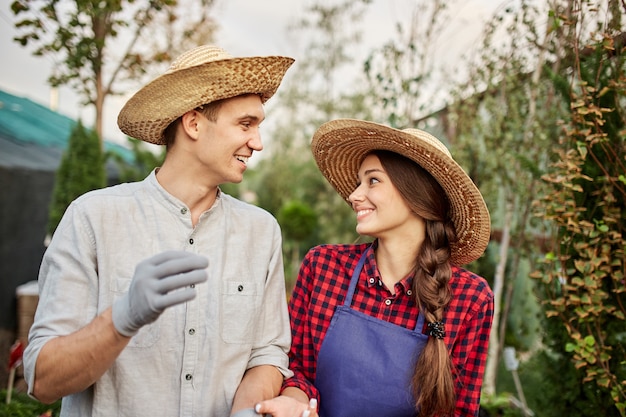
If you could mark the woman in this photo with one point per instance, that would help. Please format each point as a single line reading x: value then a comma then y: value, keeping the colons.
x: 394, y: 327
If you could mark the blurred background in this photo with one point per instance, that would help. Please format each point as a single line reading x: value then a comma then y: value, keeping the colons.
x: 529, y: 96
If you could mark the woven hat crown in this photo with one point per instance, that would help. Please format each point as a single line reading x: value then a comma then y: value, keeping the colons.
x: 197, y: 56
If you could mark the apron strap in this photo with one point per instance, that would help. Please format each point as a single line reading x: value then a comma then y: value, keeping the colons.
x: 355, y: 278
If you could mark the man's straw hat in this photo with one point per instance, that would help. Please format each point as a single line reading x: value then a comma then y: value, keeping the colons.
x: 339, y: 147
x: 200, y: 76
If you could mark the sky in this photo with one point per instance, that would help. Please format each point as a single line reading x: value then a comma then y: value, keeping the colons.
x: 247, y: 28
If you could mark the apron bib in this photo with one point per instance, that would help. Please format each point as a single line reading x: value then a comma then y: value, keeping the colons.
x: 365, y: 365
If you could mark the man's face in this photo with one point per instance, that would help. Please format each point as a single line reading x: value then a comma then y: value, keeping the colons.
x: 225, y: 145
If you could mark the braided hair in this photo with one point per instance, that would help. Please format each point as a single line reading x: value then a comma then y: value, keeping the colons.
x: 433, y: 380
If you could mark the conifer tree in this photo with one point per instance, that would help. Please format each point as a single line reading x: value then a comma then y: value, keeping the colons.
x: 81, y: 170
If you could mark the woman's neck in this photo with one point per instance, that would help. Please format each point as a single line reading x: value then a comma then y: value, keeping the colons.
x: 395, y: 260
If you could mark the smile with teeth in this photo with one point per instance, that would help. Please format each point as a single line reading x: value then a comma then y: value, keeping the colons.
x: 360, y: 213
x: 242, y: 158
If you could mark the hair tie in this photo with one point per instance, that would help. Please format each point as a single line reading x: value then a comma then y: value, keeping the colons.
x: 436, y: 330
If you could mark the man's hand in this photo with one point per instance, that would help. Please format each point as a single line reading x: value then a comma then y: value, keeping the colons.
x: 159, y: 282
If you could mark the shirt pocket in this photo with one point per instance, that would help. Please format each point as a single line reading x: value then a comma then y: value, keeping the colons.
x: 241, y: 311
x: 148, y: 335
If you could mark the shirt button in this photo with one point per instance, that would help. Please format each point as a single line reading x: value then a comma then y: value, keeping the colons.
x: 409, y: 292
x: 183, y: 210
x: 371, y: 280
x: 188, y: 377
x: 388, y: 302
x: 192, y: 331
x: 240, y: 288
x: 191, y: 241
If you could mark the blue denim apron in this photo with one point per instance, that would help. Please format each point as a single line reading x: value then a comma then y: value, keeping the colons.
x: 365, y: 365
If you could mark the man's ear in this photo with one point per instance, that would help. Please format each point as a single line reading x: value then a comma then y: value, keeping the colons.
x: 190, y: 123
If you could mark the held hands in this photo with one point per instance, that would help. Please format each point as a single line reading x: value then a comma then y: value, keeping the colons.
x: 159, y: 282
x: 285, y: 406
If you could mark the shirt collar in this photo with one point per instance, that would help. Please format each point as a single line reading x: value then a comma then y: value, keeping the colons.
x: 373, y: 276
x: 170, y: 200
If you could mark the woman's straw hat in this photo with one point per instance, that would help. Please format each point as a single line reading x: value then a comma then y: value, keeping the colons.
x: 339, y: 147
x: 199, y: 76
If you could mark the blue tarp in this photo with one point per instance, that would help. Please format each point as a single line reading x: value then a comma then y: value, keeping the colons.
x: 34, y: 137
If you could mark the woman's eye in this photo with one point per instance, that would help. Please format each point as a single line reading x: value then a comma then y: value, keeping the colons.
x: 373, y: 180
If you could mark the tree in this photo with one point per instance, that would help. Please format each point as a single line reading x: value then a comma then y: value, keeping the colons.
x: 298, y: 222
x: 145, y: 160
x: 511, y: 129
x: 500, y: 125
x: 400, y: 72
x: 81, y: 170
x: 100, y: 44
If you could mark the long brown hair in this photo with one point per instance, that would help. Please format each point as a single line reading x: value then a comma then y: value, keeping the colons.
x: 433, y: 380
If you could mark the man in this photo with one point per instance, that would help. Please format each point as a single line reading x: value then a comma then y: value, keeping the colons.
x: 166, y: 297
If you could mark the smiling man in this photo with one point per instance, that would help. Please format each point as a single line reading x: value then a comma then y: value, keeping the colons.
x: 167, y: 296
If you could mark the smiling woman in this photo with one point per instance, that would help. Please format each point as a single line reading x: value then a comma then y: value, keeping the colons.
x: 420, y: 321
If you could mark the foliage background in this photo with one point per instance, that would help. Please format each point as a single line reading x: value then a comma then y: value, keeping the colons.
x: 536, y: 118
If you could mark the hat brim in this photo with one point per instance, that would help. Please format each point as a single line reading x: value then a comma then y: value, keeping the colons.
x: 339, y: 147
x: 147, y: 113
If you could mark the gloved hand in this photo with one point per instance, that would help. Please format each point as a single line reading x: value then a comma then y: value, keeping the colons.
x: 159, y: 282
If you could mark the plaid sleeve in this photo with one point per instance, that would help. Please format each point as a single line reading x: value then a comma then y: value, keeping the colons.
x: 469, y: 353
x: 302, y: 352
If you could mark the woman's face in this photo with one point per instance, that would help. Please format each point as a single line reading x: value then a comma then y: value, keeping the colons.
x: 381, y: 211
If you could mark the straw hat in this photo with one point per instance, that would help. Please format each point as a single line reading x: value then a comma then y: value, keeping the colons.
x: 339, y: 147
x: 200, y: 76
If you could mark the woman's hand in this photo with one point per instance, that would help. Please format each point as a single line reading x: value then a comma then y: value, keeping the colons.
x: 284, y: 406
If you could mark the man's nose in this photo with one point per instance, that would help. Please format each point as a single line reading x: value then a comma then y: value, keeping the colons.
x: 255, y: 142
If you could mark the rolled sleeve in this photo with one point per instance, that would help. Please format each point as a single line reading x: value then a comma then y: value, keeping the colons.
x: 273, y: 338
x: 67, y: 274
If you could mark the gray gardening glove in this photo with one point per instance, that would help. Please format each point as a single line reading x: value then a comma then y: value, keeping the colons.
x: 159, y: 282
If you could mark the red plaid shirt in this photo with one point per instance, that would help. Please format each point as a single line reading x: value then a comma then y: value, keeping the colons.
x: 323, y: 283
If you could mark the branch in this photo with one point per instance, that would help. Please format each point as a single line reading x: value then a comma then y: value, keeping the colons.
x: 142, y: 16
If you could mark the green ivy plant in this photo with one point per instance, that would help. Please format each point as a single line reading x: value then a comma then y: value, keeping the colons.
x: 583, y: 276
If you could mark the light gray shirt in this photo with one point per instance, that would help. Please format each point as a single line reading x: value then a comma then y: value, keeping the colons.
x: 191, y: 360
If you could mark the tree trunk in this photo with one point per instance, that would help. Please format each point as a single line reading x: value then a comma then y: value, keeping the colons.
x: 100, y: 28
x: 489, y: 383
x: 99, y: 108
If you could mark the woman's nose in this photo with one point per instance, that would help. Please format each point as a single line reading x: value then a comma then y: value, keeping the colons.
x: 356, y: 195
